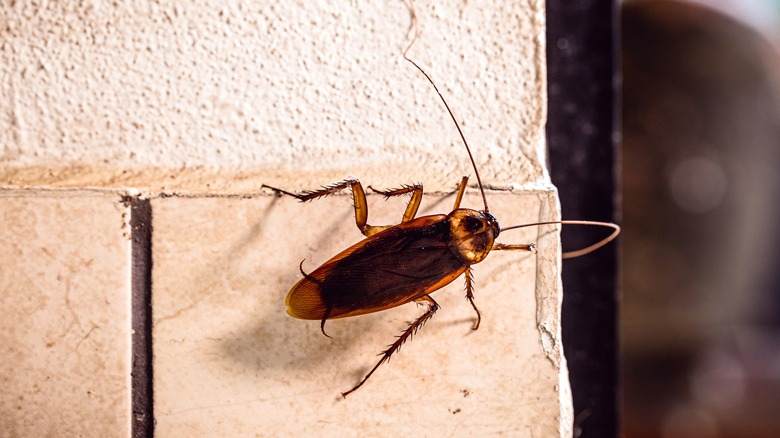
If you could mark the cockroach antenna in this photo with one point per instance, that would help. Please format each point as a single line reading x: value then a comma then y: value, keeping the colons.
x: 565, y: 255
x: 579, y: 252
x: 416, y: 29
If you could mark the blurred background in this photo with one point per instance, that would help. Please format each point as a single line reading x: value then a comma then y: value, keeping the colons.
x: 700, y: 323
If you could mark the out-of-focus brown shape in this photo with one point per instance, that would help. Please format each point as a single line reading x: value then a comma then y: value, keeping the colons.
x: 701, y: 184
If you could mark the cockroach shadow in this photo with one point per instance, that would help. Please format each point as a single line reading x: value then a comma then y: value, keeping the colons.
x: 270, y: 338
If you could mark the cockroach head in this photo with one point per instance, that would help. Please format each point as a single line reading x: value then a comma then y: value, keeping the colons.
x: 472, y: 234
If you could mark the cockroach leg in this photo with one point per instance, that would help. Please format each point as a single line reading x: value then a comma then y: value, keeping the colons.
x: 414, y: 201
x: 432, y: 307
x: 358, y: 196
x: 470, y: 296
x: 321, y: 192
x: 280, y: 192
x: 360, y: 203
x: 531, y: 247
x: 461, y: 190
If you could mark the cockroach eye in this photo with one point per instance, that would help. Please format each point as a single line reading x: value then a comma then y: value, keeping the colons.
x: 472, y: 224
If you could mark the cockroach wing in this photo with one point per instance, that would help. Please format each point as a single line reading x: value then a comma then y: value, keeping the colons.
x: 393, y: 267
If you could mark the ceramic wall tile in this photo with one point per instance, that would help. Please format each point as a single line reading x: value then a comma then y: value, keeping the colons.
x: 229, y: 361
x: 64, y: 331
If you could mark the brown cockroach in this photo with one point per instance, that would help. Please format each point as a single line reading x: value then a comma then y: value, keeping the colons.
x: 398, y: 264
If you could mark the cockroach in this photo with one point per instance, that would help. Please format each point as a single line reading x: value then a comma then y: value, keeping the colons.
x: 399, y: 264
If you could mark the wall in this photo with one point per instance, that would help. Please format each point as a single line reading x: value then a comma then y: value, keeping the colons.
x: 190, y: 97
x: 194, y: 106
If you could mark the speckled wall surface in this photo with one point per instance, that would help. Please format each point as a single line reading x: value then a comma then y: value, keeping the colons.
x: 228, y: 95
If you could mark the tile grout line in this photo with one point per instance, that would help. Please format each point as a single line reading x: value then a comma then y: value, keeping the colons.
x: 142, y: 425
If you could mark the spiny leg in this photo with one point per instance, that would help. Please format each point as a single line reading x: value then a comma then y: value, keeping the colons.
x: 461, y: 190
x: 414, y: 201
x: 470, y: 277
x: 358, y: 196
x: 470, y: 296
x: 321, y: 192
x: 432, y: 307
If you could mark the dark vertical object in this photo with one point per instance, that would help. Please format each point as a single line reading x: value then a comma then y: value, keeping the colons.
x: 141, y: 232
x: 582, y: 137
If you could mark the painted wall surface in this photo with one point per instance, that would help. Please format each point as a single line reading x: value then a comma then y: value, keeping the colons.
x: 195, y: 105
x: 228, y: 95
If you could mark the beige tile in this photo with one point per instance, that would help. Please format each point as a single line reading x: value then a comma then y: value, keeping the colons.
x: 228, y: 360
x: 64, y: 331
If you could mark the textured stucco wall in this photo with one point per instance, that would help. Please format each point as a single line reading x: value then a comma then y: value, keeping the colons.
x: 223, y: 96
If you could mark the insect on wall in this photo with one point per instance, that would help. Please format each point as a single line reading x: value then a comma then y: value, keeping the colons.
x: 407, y: 262
x: 227, y: 316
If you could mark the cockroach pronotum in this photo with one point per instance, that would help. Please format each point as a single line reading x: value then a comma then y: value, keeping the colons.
x: 398, y: 264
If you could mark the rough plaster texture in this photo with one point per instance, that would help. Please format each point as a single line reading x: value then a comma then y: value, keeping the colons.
x: 228, y: 95
x: 230, y: 362
x: 64, y: 301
